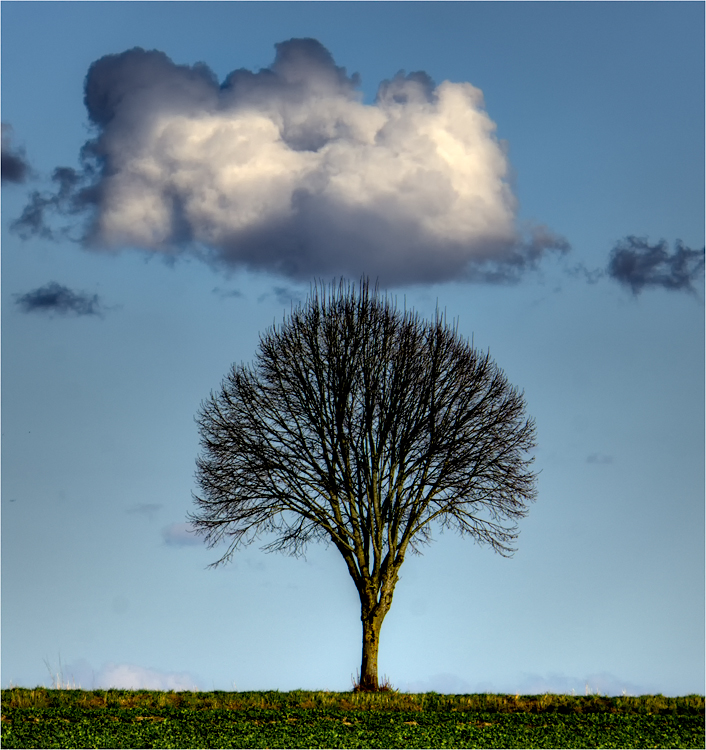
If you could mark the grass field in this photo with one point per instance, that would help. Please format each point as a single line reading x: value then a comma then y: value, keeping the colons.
x: 128, y: 719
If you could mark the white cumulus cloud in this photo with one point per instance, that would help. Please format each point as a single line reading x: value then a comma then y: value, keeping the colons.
x: 600, y: 683
x: 287, y: 170
x: 82, y: 675
x: 133, y: 677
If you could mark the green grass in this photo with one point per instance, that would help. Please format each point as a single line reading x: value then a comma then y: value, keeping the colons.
x: 126, y: 718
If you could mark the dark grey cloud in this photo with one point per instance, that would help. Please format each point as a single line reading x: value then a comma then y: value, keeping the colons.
x: 286, y: 170
x: 285, y: 295
x: 637, y: 264
x: 14, y: 167
x: 56, y: 298
x: 226, y: 293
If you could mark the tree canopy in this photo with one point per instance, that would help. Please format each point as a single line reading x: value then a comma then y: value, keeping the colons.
x: 363, y: 426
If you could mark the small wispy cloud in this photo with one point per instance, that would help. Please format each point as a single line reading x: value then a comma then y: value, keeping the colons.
x: 66, y: 199
x: 579, y: 270
x: 599, y: 458
x: 145, y: 509
x: 14, y: 167
x: 180, y: 535
x: 57, y: 298
x: 603, y: 683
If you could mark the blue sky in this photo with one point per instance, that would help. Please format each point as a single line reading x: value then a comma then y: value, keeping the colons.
x: 115, y: 328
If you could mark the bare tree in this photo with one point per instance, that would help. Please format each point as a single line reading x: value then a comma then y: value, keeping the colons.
x: 362, y: 426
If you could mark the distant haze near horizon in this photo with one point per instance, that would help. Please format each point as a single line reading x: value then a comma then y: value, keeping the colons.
x: 176, y: 177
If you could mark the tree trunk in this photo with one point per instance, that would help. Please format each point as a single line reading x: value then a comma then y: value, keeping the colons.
x: 371, y: 641
x: 373, y: 609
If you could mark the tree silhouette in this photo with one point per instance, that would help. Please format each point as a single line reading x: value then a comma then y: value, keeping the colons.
x: 362, y: 426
